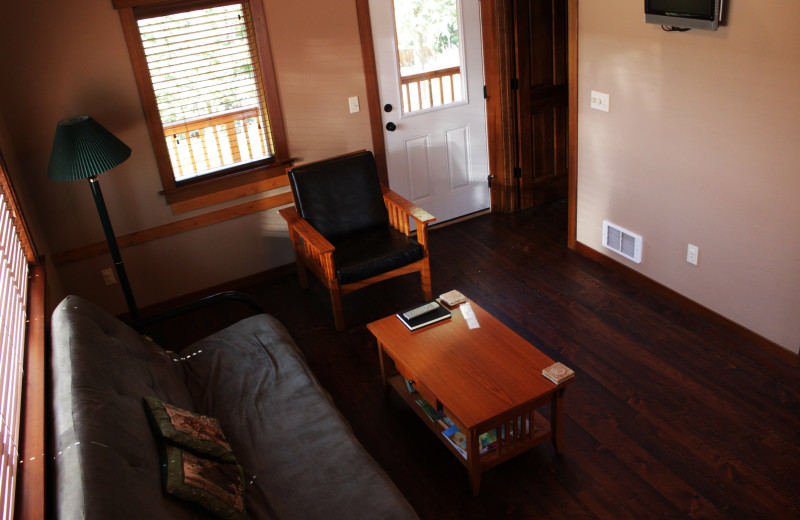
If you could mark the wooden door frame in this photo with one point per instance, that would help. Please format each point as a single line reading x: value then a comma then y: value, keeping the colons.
x: 498, y: 63
x: 373, y: 95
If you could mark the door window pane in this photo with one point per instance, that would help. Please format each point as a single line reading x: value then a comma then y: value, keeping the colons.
x: 428, y: 48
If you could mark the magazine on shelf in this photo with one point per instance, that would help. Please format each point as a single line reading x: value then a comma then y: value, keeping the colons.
x: 438, y: 313
x: 457, y: 438
x: 433, y: 415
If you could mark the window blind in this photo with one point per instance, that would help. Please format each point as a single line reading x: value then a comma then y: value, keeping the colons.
x: 204, y: 72
x: 15, y: 253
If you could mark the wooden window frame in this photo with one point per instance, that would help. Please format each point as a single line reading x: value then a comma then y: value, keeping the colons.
x: 230, y: 183
x: 30, y: 492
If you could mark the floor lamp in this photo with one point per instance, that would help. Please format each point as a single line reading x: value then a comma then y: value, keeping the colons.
x: 83, y: 149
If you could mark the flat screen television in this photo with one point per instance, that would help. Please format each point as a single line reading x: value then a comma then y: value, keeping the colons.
x: 690, y: 14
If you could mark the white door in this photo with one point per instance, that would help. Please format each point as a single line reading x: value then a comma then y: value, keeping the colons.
x: 434, y: 112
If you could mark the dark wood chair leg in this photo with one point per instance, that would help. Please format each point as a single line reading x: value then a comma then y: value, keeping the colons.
x: 336, y: 303
x: 300, y: 258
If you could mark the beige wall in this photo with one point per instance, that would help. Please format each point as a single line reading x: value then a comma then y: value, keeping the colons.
x: 700, y: 146
x: 70, y: 58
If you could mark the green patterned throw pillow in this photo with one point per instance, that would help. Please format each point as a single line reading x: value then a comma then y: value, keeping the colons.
x: 214, y: 486
x: 191, y: 431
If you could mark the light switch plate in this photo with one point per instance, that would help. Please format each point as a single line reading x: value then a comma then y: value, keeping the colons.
x: 353, y: 101
x: 692, y: 252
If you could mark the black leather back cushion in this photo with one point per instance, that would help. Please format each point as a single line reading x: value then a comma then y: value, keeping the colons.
x: 340, y: 196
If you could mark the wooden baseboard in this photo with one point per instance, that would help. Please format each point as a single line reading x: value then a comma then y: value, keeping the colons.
x: 757, y: 340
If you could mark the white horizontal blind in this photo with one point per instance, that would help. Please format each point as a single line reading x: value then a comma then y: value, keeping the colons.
x: 204, y: 70
x: 13, y: 318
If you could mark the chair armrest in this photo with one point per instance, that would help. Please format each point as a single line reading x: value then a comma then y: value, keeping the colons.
x: 406, y: 206
x: 223, y: 297
x: 309, y: 234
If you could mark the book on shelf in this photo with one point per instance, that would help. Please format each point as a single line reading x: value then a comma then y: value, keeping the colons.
x: 432, y: 413
x: 410, y: 386
x: 509, y: 428
x: 445, y: 422
x: 437, y: 313
x: 457, y: 438
x: 558, y: 373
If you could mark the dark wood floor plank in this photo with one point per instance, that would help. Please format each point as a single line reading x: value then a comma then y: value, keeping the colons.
x: 670, y: 416
x: 692, y: 418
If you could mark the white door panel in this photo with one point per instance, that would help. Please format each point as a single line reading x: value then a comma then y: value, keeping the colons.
x: 438, y: 155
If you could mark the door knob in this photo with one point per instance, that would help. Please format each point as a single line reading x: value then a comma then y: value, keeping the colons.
x: 391, y: 126
x: 387, y: 107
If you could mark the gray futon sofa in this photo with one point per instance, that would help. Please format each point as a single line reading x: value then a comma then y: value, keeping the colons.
x: 299, y: 456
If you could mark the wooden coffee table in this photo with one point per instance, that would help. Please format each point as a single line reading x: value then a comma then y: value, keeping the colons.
x: 484, y: 379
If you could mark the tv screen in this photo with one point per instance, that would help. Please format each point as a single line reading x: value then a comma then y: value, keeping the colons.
x: 684, y: 8
x: 700, y: 14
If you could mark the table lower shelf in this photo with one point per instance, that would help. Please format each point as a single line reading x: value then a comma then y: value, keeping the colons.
x: 516, y: 431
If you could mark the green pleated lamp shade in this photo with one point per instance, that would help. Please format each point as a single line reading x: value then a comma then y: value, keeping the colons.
x: 83, y: 148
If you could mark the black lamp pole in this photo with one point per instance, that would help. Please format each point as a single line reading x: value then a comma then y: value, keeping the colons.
x: 82, y: 149
x: 112, y: 247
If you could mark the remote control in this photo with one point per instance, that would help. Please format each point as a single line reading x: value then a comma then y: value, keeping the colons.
x: 413, y: 313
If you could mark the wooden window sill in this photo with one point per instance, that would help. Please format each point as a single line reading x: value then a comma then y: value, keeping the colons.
x: 205, y: 193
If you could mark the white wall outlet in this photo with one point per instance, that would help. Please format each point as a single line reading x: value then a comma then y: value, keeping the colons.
x: 353, y: 101
x: 600, y: 101
x: 692, y: 252
x: 108, y: 276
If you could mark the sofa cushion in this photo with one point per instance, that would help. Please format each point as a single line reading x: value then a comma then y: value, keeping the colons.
x: 106, y: 457
x: 197, y: 433
x: 299, y: 455
x: 212, y: 485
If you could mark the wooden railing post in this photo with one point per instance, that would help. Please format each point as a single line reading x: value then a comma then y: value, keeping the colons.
x: 236, y: 141
x: 428, y: 78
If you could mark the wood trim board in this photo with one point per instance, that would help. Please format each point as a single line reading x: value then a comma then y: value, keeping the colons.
x: 31, y: 493
x: 174, y: 228
x: 572, y: 131
x: 373, y: 94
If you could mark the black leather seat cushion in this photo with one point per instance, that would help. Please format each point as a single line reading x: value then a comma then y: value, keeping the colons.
x: 374, y: 252
x: 340, y: 197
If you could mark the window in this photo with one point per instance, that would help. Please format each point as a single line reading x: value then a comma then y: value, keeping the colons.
x: 429, y: 53
x: 207, y: 86
x: 15, y: 255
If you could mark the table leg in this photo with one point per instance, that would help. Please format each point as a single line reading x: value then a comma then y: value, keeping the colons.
x: 383, y: 370
x: 557, y: 419
x: 475, y: 481
x: 474, y: 465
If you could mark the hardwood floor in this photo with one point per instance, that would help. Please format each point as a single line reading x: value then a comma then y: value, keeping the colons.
x: 670, y: 417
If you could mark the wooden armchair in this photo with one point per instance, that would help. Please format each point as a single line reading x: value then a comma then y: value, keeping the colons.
x: 350, y: 230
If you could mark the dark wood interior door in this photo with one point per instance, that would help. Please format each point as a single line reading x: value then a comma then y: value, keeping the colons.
x: 543, y: 103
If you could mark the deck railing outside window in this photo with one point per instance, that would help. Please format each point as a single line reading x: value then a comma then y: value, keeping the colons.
x: 431, y: 89
x: 204, y: 144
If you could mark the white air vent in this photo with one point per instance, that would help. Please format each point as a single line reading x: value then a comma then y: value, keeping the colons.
x: 622, y: 241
